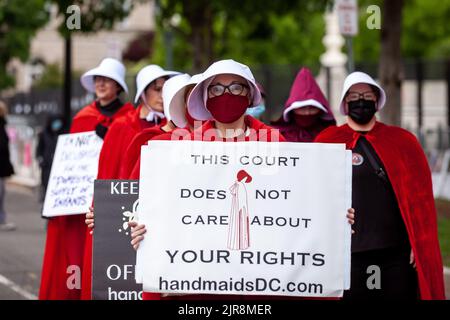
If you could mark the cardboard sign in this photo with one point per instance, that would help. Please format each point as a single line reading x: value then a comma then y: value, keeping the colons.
x: 74, y: 169
x: 113, y: 263
x: 249, y: 218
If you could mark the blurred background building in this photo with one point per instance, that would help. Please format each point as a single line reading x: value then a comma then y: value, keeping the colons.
x: 37, y: 92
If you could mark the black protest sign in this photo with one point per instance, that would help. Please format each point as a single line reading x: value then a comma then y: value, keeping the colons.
x: 114, y: 259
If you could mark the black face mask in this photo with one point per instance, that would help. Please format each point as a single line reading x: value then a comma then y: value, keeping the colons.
x: 361, y: 111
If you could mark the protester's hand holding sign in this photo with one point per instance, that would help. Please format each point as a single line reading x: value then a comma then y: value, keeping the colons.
x: 90, y: 219
x: 138, y: 230
x: 137, y: 233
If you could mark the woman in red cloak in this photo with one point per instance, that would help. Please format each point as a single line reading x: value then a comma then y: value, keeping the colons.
x: 306, y: 112
x: 149, y: 82
x: 175, y: 93
x: 65, y: 234
x: 221, y: 98
x: 396, y: 228
x: 149, y: 113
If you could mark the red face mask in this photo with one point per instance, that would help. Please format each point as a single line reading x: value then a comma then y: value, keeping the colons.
x: 227, y: 108
x: 306, y: 121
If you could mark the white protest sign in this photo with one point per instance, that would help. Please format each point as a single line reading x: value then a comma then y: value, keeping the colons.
x: 75, y: 164
x: 251, y: 218
x: 348, y: 242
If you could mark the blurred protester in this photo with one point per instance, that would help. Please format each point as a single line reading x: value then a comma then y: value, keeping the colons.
x: 66, y: 234
x: 222, y: 97
x: 149, y: 114
x: 396, y: 228
x: 306, y: 112
x: 175, y: 94
x: 258, y: 111
x: 46, y: 147
x: 6, y: 168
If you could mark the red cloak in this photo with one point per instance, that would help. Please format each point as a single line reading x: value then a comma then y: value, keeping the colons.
x: 133, y: 151
x: 154, y: 134
x: 88, y: 117
x: 409, y: 173
x: 65, y: 234
x: 112, y: 158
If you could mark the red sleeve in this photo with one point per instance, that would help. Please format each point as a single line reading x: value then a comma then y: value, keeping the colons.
x: 114, y: 149
x: 132, y: 154
x: 135, y: 173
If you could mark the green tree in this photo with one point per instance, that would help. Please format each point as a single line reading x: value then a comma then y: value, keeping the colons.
x: 93, y: 16
x: 366, y: 43
x: 250, y: 31
x: 281, y: 39
x: 414, y: 29
x: 426, y: 31
x: 19, y: 21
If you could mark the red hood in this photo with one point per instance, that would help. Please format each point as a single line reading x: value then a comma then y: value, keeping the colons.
x: 306, y: 88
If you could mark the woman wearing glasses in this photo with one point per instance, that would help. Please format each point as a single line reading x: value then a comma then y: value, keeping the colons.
x: 221, y: 99
x: 395, y: 248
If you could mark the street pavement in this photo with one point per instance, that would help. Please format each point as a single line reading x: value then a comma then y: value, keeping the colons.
x: 21, y: 250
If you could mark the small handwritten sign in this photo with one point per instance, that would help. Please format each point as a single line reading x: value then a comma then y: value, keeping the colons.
x: 74, y: 169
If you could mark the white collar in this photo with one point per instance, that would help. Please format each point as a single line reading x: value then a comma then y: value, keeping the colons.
x: 154, y: 116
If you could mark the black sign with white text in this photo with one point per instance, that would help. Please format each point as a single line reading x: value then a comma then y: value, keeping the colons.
x: 113, y: 266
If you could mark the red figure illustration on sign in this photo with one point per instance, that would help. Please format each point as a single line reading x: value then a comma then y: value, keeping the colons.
x: 239, y: 220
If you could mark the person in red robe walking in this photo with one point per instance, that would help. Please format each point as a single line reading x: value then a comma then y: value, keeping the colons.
x: 396, y: 228
x: 149, y: 82
x: 306, y: 112
x: 221, y: 98
x: 175, y: 91
x: 63, y: 256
